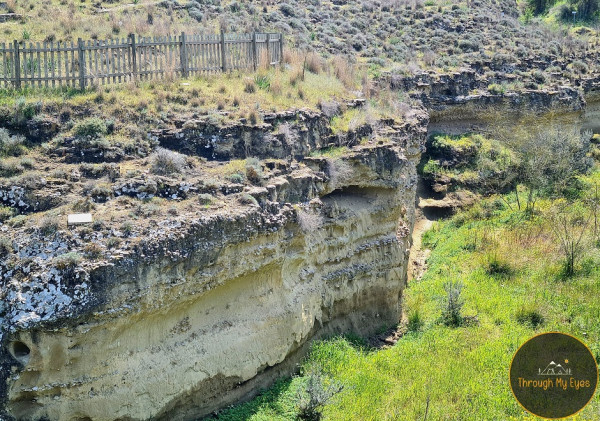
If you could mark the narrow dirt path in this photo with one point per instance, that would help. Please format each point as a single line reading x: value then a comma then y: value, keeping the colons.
x: 417, y: 260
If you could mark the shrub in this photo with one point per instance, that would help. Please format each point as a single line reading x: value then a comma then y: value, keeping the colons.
x: 530, y: 317
x: 67, y: 260
x: 49, y: 225
x: 205, y: 199
x: 253, y: 117
x: 313, y: 61
x: 496, y: 89
x: 26, y: 110
x: 468, y: 45
x: 315, y: 394
x: 18, y: 221
x: 497, y: 266
x: 5, y: 213
x: 113, y: 242
x: 539, y: 76
x: 93, y: 127
x: 253, y: 171
x: 579, y: 66
x: 287, y: 10
x: 236, y: 178
x: 11, y: 145
x: 452, y: 304
x: 5, y: 246
x: 247, y: 199
x: 165, y: 162
x: 93, y: 251
x: 249, y: 87
x: 127, y: 228
x: 309, y: 221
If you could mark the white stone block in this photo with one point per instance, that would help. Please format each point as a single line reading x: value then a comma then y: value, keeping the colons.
x: 79, y: 219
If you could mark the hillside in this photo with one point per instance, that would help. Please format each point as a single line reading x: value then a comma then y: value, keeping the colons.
x: 406, y: 38
x: 254, y: 225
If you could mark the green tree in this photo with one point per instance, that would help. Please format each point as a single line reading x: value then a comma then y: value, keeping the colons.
x: 550, y: 155
x: 586, y: 8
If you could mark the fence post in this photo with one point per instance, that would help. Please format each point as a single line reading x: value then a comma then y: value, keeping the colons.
x: 268, y: 49
x: 80, y: 46
x: 254, y: 52
x: 17, y: 80
x: 223, y: 56
x: 183, y: 57
x: 133, y: 55
x: 281, y: 48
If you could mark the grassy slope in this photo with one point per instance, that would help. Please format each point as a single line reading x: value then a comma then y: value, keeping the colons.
x: 438, y: 35
x: 462, y: 371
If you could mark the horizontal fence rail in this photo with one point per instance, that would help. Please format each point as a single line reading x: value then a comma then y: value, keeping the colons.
x: 93, y: 63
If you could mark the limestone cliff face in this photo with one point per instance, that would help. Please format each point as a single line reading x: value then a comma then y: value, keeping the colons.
x: 460, y: 102
x: 220, y: 305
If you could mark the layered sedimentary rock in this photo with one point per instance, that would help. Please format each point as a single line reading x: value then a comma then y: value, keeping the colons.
x: 211, y: 307
x: 460, y: 102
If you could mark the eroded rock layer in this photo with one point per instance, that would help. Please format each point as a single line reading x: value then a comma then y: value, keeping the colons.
x: 223, y: 303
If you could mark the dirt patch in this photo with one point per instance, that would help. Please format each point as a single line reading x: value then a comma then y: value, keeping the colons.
x: 417, y: 261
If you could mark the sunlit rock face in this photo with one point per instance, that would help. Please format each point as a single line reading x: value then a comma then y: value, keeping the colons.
x: 210, y: 309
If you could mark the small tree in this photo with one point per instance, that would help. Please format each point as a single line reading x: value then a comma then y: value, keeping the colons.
x: 452, y: 304
x: 315, y: 394
x: 570, y: 225
x: 549, y: 155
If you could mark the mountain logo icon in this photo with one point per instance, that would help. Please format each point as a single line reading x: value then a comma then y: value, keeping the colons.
x: 554, y: 369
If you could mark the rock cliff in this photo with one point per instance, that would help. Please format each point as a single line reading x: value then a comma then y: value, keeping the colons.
x: 214, y: 302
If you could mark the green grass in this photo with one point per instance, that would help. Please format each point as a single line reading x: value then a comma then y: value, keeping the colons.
x: 463, y: 372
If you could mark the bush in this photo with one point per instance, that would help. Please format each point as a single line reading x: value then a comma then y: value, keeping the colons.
x: 253, y: 171
x: 67, y: 260
x: 11, y: 145
x: 579, y: 66
x: 539, y: 76
x: 249, y: 87
x: 236, y: 178
x: 205, y: 199
x: 93, y: 127
x: 315, y: 394
x: 313, y: 62
x: 452, y: 304
x: 5, y: 246
x: 5, y: 213
x: 497, y: 266
x: 247, y: 199
x: 496, y: 89
x: 26, y: 110
x: 165, y: 162
x: 49, y: 225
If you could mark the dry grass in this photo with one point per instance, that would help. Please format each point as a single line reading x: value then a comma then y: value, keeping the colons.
x: 344, y: 71
x: 313, y: 62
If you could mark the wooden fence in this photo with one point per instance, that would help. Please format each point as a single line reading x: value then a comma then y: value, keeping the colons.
x: 134, y: 58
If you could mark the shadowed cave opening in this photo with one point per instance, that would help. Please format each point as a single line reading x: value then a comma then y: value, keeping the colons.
x: 20, y: 352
